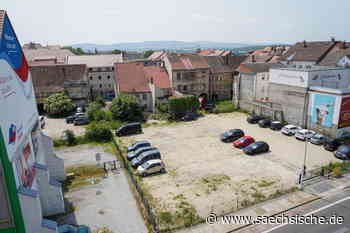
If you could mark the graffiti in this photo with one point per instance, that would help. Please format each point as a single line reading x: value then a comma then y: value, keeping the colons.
x: 322, y: 110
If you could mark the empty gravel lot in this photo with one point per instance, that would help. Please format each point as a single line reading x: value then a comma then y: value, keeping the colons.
x: 211, y: 175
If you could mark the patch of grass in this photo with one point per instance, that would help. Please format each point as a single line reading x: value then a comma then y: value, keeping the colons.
x: 258, y: 196
x: 179, y: 197
x: 213, y: 181
x: 83, y: 176
x: 264, y: 183
x: 225, y: 106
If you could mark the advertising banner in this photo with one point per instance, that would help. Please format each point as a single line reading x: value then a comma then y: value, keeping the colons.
x: 17, y: 101
x: 344, y: 116
x: 322, y: 110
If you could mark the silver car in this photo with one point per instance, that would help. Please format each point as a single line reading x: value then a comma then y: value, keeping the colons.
x: 290, y: 129
x: 318, y: 139
x: 304, y: 134
x: 151, y: 167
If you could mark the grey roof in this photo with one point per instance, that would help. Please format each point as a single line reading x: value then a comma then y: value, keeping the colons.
x: 217, y: 64
x: 333, y: 58
x: 261, y: 67
x: 104, y: 60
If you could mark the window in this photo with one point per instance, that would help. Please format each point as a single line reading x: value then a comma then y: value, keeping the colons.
x: 99, y: 77
x: 5, y: 214
x: 100, y: 85
x: 108, y: 77
x: 90, y: 69
x: 204, y: 72
x: 90, y: 77
x: 178, y: 76
x: 109, y: 85
x: 112, y: 68
x: 179, y: 87
x: 185, y: 88
x: 144, y: 96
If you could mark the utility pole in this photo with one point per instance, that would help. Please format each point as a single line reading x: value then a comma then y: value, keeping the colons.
x: 303, y: 170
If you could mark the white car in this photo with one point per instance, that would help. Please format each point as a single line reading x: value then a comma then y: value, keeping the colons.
x: 304, y: 134
x: 151, y: 167
x: 290, y: 129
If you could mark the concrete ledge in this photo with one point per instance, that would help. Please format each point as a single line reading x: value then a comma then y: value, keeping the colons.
x: 52, y: 225
x: 40, y: 166
x: 28, y: 192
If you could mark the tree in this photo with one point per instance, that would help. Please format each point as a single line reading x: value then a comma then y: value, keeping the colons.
x: 179, y: 106
x: 58, y: 105
x: 100, y: 101
x: 148, y: 53
x: 70, y: 137
x: 99, y: 132
x: 116, y: 51
x: 126, y: 108
x: 92, y: 110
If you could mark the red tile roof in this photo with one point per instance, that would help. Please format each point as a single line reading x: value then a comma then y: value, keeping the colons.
x: 158, y: 75
x: 213, y: 52
x: 187, y: 62
x: 157, y: 55
x: 135, y: 77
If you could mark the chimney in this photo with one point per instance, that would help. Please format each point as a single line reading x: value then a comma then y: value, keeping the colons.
x: 332, y: 39
x: 304, y: 43
x: 344, y: 44
x: 253, y: 58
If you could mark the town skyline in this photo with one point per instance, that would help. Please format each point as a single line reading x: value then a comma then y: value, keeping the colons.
x: 250, y: 22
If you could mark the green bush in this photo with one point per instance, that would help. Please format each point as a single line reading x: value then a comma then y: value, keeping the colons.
x: 99, y: 100
x: 70, y: 138
x: 126, y: 108
x: 179, y: 106
x: 58, y: 105
x: 337, y: 172
x: 224, y: 107
x: 99, y: 132
x: 92, y: 109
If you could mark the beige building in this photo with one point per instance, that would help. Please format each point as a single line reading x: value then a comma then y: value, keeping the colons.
x: 100, y: 72
x: 188, y: 73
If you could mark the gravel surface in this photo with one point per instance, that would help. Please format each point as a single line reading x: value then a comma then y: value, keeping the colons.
x: 55, y: 127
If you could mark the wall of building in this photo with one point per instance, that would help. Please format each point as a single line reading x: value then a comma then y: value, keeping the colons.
x: 221, y: 85
x: 262, y: 86
x: 194, y: 82
x: 144, y: 99
x: 101, y: 79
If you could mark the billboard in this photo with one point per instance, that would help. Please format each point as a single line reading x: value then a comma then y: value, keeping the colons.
x: 17, y: 100
x: 322, y: 110
x: 344, y: 115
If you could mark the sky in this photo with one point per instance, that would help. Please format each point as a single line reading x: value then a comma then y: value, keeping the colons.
x: 67, y: 22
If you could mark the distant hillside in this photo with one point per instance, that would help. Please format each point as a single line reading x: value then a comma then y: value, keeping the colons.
x: 159, y: 45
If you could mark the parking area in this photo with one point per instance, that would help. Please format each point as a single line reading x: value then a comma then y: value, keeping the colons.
x: 211, y: 175
x: 54, y: 127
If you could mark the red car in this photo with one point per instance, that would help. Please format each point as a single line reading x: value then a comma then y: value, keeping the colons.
x: 243, y: 142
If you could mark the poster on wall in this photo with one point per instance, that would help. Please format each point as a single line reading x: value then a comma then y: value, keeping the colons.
x: 35, y: 134
x: 344, y: 116
x: 322, y: 110
x: 16, y: 91
x: 25, y: 169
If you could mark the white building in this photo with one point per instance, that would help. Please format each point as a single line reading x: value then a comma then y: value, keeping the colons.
x: 100, y: 73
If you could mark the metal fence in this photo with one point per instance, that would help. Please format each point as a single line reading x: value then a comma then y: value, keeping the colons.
x: 151, y: 218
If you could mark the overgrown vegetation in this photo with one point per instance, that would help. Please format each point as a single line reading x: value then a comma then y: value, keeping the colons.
x: 213, y: 181
x: 125, y: 108
x: 225, y: 106
x: 83, y: 175
x: 58, y: 105
x: 99, y: 132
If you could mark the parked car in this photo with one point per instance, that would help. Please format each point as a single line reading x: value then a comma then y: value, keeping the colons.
x: 276, y: 125
x: 151, y: 167
x: 190, y: 116
x: 145, y: 156
x: 133, y: 154
x: 256, y: 148
x: 290, y: 129
x: 317, y: 139
x: 231, y: 135
x: 128, y: 129
x: 304, y: 134
x: 138, y: 145
x: 42, y: 121
x: 71, y: 119
x: 331, y: 144
x: 264, y: 123
x: 81, y: 121
x: 343, y: 152
x: 80, y: 109
x: 243, y: 142
x: 254, y: 119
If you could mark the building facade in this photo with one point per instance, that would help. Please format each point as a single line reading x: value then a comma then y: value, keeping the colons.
x: 100, y: 72
x: 56, y: 78
x: 188, y: 74
x: 29, y: 192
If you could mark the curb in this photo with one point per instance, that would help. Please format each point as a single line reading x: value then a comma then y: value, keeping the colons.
x: 278, y: 213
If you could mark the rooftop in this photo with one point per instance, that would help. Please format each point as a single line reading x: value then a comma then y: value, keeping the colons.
x: 187, y: 62
x: 308, y: 68
x: 103, y: 60
x: 343, y: 91
x: 36, y: 54
x: 217, y: 64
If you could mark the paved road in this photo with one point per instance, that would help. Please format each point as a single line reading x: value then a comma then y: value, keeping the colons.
x: 341, y: 209
x: 335, y: 205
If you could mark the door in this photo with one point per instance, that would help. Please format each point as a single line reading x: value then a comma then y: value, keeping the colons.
x: 5, y: 213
